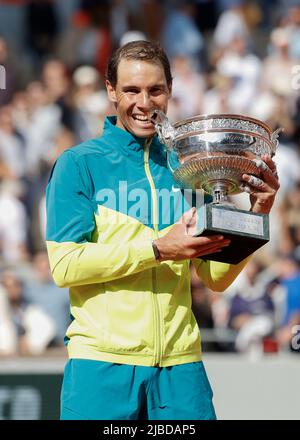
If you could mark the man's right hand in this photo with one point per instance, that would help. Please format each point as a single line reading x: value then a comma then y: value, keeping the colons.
x: 180, y: 244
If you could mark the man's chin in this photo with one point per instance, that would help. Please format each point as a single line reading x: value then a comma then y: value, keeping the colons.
x: 143, y: 132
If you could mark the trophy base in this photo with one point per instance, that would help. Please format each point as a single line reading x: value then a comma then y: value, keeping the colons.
x: 247, y: 231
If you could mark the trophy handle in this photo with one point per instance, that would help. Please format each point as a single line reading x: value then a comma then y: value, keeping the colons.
x: 274, y: 139
x: 165, y: 130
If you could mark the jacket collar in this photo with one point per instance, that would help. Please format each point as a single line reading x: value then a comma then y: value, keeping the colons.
x: 130, y: 145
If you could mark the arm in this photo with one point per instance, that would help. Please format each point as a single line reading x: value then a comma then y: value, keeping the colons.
x: 218, y: 276
x: 74, y: 258
x: 74, y: 264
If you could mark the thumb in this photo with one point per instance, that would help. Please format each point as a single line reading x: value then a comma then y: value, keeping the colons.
x: 189, y: 219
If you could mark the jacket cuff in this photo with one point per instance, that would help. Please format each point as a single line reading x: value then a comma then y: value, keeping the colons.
x: 146, y: 254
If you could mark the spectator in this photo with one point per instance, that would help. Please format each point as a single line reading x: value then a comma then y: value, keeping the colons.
x: 188, y: 87
x: 289, y: 275
x: 288, y: 166
x: 217, y: 99
x: 8, y: 342
x: 244, y: 69
x: 90, y: 101
x: 43, y: 125
x: 6, y: 93
x: 231, y: 24
x: 42, y: 27
x: 39, y: 127
x: 180, y: 35
x: 56, y: 80
x: 289, y: 219
x: 13, y: 224
x: 119, y: 18
x: 294, y: 30
x: 278, y: 65
x: 12, y: 146
x: 33, y: 329
x: 41, y: 290
x: 131, y: 35
x: 251, y: 311
x: 95, y: 45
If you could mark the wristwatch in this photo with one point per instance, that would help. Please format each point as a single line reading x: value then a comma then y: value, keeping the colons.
x: 156, y: 251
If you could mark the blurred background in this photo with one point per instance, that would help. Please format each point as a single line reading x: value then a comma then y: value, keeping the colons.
x: 227, y: 56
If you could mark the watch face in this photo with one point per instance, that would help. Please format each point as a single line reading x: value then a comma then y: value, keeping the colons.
x: 156, y: 251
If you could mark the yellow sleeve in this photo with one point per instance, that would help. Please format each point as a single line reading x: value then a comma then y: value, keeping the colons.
x: 75, y: 259
x: 218, y: 276
x: 74, y: 264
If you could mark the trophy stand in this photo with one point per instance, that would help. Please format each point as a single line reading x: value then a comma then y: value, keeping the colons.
x: 246, y: 230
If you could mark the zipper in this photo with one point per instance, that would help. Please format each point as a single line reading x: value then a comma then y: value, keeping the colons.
x: 154, y: 205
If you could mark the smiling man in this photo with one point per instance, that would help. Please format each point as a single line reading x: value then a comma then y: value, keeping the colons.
x: 141, y: 87
x: 134, y: 343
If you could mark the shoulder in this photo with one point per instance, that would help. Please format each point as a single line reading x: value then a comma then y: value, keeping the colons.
x: 92, y: 146
x: 82, y: 154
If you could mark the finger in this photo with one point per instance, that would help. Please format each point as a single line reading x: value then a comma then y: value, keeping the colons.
x: 255, y: 183
x: 271, y: 164
x: 195, y: 242
x: 210, y: 250
x: 268, y: 171
x: 188, y: 217
x: 245, y: 188
x: 189, y: 221
x: 213, y: 247
x: 259, y: 185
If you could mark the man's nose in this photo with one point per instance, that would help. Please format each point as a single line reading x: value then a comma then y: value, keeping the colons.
x: 144, y: 100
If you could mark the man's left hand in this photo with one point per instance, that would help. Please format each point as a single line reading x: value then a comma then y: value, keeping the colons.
x: 262, y: 189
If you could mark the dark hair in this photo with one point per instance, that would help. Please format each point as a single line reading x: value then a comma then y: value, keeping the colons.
x: 138, y: 50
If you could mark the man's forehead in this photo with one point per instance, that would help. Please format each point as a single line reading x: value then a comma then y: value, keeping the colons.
x: 125, y: 62
x: 131, y: 69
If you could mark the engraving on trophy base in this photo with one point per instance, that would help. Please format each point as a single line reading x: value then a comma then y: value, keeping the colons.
x: 247, y: 231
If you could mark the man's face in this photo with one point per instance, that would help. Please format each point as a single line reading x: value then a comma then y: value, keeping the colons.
x: 141, y: 88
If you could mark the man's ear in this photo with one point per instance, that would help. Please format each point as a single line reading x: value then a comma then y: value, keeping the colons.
x: 111, y: 92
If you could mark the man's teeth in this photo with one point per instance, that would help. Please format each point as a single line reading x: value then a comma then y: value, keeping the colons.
x: 141, y: 118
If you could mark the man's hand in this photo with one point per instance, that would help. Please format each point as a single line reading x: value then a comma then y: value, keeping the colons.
x: 179, y: 244
x: 262, y: 189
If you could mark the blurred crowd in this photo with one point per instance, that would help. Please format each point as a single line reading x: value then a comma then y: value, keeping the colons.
x: 227, y: 56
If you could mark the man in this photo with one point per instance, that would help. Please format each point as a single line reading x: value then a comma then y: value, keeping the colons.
x: 134, y: 344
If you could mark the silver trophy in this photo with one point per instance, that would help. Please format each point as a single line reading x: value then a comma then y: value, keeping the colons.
x: 211, y: 153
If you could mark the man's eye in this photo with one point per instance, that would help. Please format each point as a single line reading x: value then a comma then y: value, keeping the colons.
x: 156, y: 91
x: 133, y: 91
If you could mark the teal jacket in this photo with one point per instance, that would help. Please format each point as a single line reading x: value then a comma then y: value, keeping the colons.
x: 107, y: 199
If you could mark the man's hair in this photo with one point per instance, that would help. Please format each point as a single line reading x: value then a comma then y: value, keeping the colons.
x: 138, y: 50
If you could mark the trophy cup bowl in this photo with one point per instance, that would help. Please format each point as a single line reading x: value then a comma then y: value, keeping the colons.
x: 212, y: 152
